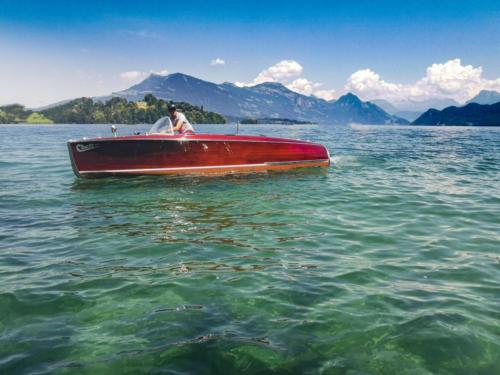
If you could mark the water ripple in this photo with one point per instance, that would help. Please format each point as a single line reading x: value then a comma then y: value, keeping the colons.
x: 387, y: 263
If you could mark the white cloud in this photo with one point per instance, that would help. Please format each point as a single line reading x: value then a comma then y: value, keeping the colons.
x: 303, y: 86
x: 137, y: 75
x: 289, y: 73
x: 447, y: 80
x: 280, y: 72
x: 451, y: 79
x: 325, y: 94
x: 162, y: 72
x: 306, y: 87
x: 367, y: 83
x: 133, y: 75
x: 217, y: 61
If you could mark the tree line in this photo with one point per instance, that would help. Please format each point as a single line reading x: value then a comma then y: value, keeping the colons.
x: 113, y: 111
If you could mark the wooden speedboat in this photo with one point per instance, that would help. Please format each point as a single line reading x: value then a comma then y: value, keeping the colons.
x: 158, y: 154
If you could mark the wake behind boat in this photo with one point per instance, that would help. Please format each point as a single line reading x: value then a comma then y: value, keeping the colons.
x: 157, y: 154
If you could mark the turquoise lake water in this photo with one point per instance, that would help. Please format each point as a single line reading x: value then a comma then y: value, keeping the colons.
x: 388, y: 262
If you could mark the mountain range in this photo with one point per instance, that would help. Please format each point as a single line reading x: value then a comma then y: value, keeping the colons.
x: 472, y: 114
x: 266, y: 100
x: 411, y: 110
x: 273, y: 101
x: 485, y: 97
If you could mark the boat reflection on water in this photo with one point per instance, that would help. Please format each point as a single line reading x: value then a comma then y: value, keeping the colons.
x: 186, y: 209
x: 157, y: 153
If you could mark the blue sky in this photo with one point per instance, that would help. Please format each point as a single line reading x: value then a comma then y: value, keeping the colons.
x: 52, y: 50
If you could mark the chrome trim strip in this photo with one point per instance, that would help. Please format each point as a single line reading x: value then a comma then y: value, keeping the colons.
x: 206, y: 167
x: 95, y: 140
x: 294, y: 162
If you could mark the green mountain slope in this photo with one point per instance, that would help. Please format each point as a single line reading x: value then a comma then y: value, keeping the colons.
x: 113, y: 111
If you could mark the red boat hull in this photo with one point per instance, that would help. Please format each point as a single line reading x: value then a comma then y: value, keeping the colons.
x: 191, y: 154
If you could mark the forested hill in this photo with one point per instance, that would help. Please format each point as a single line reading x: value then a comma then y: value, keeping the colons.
x: 16, y: 113
x: 472, y: 114
x: 113, y: 111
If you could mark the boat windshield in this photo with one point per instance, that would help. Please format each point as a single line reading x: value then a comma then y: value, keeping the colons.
x: 163, y: 125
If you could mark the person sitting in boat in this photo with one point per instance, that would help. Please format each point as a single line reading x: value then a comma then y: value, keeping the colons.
x: 179, y: 121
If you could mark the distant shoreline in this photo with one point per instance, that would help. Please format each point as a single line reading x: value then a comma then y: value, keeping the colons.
x: 233, y: 124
